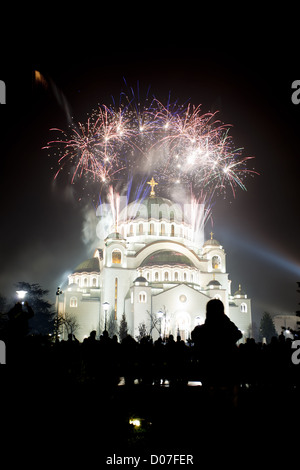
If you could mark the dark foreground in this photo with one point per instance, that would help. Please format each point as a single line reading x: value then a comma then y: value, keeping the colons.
x: 62, y: 407
x: 89, y: 423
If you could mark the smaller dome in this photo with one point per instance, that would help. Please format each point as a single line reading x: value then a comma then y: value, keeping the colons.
x: 214, y: 283
x: 140, y: 279
x: 114, y: 236
x: 212, y: 241
x: 240, y: 291
x: 88, y: 266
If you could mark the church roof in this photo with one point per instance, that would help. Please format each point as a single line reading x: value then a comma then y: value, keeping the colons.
x: 169, y: 257
x: 88, y: 266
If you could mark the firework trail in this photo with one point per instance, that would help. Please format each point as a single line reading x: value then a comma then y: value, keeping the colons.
x: 114, y: 200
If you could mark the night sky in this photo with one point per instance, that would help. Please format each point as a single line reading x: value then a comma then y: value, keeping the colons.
x: 42, y: 220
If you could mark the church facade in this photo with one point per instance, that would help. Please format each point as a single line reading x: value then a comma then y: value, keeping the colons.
x: 156, y: 269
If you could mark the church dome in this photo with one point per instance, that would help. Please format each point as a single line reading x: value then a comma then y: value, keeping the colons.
x: 148, y: 201
x: 169, y: 257
x: 153, y: 207
x: 88, y: 266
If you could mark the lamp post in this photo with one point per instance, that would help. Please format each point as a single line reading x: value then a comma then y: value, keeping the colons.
x: 58, y: 292
x: 105, y: 306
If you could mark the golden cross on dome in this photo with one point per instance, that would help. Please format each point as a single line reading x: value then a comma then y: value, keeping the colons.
x: 211, y: 235
x: 152, y: 184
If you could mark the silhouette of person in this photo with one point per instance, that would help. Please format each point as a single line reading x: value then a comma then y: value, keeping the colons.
x: 215, y: 345
x: 171, y: 364
x: 18, y: 320
x: 92, y: 337
x: 128, y: 359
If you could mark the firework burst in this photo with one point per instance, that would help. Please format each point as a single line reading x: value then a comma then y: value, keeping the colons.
x: 175, y: 143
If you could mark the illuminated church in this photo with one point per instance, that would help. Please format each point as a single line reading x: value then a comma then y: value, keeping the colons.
x: 157, y: 270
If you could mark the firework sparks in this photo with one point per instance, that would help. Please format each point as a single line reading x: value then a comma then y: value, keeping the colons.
x: 174, y: 143
x: 200, y: 212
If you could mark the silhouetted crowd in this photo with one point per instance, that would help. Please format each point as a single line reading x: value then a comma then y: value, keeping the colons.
x: 107, y: 361
x: 212, y: 356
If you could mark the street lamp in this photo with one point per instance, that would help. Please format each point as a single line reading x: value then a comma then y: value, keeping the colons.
x: 105, y: 306
x: 58, y: 292
x: 21, y: 295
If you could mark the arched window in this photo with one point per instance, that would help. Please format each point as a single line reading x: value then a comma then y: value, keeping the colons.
x: 216, y: 262
x: 142, y: 297
x: 172, y: 230
x: 73, y: 301
x: 94, y: 282
x: 162, y: 229
x: 176, y: 276
x: 116, y: 257
x: 171, y: 216
x: 156, y: 276
x: 243, y: 308
x: 85, y: 281
x: 184, y: 277
x: 166, y: 276
x: 131, y: 230
x: 151, y: 229
x: 140, y: 229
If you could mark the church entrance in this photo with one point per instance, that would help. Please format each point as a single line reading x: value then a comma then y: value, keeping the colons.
x: 183, y: 325
x: 183, y: 334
